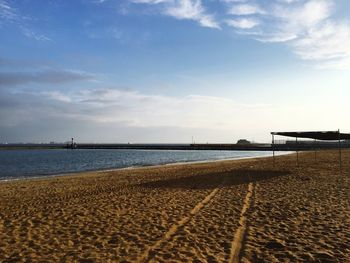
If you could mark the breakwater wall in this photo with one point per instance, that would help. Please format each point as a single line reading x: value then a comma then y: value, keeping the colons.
x: 226, y: 147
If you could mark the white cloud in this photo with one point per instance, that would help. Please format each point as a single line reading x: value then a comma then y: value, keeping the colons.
x: 243, y: 23
x: 245, y: 9
x: 99, y: 1
x: 56, y: 95
x: 329, y: 42
x: 308, y: 27
x: 141, y: 110
x: 302, y: 17
x: 31, y: 34
x: 150, y: 1
x: 189, y: 9
x: 234, y: 1
x: 275, y: 37
x: 185, y: 9
x: 289, y: 1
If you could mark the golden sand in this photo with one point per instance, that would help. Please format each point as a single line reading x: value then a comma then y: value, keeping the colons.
x: 229, y: 211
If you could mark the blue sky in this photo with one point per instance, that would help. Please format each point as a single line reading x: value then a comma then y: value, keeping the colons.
x: 167, y: 70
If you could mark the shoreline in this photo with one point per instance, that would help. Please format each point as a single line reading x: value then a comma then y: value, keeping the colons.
x: 77, y: 173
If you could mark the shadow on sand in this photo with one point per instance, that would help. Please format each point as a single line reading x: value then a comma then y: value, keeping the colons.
x: 212, y: 180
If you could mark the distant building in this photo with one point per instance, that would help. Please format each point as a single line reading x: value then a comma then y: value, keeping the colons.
x: 243, y: 141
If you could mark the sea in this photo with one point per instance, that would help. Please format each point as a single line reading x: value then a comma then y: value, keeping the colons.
x: 24, y: 164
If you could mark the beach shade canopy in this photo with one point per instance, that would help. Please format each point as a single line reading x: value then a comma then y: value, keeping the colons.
x: 318, y: 135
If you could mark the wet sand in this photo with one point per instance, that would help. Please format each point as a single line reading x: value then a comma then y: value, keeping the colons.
x: 229, y: 211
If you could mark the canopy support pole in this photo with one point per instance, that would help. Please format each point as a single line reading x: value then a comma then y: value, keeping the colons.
x: 315, y: 146
x: 339, y: 145
x: 273, y: 149
x: 296, y: 146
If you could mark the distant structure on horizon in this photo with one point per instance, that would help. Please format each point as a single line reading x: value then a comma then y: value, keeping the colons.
x: 243, y: 141
x: 72, y: 145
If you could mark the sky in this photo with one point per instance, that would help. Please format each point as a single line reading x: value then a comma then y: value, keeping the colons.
x: 164, y: 71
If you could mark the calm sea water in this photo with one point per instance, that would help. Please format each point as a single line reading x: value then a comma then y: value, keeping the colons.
x: 18, y: 164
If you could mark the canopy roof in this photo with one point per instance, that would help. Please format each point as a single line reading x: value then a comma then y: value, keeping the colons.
x: 319, y: 135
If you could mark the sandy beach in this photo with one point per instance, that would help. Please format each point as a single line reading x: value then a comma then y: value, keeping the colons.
x: 228, y: 211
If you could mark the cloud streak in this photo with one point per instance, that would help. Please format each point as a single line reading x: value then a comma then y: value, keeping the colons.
x: 242, y: 23
x: 184, y: 10
x: 134, y: 109
x: 42, y: 77
x: 245, y: 9
x: 9, y: 14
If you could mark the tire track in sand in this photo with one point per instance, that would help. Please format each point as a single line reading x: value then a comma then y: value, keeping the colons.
x: 237, y: 243
x: 144, y: 256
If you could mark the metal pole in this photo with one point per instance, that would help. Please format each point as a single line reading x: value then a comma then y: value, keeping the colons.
x: 339, y: 144
x: 273, y: 149
x: 315, y: 146
x: 296, y: 145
